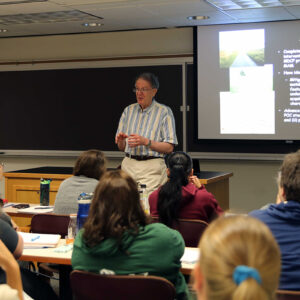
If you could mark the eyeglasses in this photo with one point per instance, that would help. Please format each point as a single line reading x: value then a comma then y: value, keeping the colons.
x: 143, y: 90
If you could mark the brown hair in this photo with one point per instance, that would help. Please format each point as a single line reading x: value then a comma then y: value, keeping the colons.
x: 91, y: 163
x: 115, y: 208
x: 290, y: 176
x: 238, y: 240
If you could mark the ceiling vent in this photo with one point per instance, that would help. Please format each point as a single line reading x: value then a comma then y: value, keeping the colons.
x: 48, y: 17
x: 246, y: 4
x: 5, y: 2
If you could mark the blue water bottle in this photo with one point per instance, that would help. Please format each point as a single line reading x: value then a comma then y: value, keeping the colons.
x: 84, y: 202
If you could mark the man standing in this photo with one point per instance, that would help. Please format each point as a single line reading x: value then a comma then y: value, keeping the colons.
x: 146, y: 132
x: 283, y: 219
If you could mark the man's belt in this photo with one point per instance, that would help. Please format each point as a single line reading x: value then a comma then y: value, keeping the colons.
x: 141, y: 157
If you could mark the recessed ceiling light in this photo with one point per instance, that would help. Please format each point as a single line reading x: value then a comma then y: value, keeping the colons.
x: 197, y: 17
x: 3, y: 30
x: 91, y: 24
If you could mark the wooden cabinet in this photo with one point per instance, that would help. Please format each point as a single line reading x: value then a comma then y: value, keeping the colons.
x: 24, y: 186
x: 217, y: 183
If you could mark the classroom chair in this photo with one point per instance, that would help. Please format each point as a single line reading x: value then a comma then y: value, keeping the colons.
x: 190, y: 229
x: 91, y: 286
x: 50, y: 223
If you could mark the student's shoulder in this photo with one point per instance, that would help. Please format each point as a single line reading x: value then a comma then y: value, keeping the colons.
x: 164, y: 232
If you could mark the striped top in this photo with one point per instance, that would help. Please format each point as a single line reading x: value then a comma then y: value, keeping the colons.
x: 156, y: 123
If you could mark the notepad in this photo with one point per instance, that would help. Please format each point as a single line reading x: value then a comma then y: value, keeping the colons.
x: 190, y: 256
x: 36, y: 209
x: 39, y: 240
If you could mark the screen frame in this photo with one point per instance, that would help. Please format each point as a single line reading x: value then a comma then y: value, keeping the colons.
x: 227, y: 145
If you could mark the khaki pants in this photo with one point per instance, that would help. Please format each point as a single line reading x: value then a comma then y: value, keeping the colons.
x: 151, y: 172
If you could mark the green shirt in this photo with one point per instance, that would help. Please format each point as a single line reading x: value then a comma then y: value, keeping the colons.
x: 156, y: 250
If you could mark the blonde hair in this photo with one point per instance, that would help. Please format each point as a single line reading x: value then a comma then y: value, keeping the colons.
x: 239, y: 240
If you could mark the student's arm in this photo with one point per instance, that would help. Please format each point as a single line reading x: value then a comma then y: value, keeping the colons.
x: 11, y: 268
x: 19, y: 249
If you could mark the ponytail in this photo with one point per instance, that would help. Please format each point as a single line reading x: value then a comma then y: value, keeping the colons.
x: 170, y: 194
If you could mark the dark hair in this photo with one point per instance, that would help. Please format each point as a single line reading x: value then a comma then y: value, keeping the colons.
x: 115, y: 208
x: 169, y: 197
x: 150, y: 77
x: 91, y: 163
x: 290, y: 176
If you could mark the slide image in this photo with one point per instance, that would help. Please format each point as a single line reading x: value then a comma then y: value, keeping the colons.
x: 247, y: 112
x: 242, y: 48
x: 251, y: 78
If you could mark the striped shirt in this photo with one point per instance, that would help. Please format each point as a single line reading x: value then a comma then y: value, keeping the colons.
x: 156, y: 123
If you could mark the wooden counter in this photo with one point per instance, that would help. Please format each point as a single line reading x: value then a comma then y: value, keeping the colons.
x: 217, y: 183
x: 23, y: 186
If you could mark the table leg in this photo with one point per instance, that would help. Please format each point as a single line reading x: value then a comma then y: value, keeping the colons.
x: 65, y: 291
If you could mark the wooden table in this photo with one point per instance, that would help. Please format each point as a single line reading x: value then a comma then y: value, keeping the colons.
x: 23, y: 186
x: 48, y: 255
x: 18, y: 215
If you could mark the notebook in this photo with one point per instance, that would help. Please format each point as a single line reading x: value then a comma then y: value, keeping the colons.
x: 39, y: 240
x: 36, y: 209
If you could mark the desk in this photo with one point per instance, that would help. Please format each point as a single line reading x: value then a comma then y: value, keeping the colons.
x: 48, y: 255
x: 217, y: 183
x: 23, y: 186
x: 18, y: 215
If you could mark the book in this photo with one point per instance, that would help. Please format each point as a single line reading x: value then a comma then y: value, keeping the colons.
x: 39, y: 240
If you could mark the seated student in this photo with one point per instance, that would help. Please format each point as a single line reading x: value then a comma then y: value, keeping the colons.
x: 32, y: 284
x: 182, y: 196
x: 88, y: 169
x: 118, y: 237
x: 13, y: 289
x: 239, y: 259
x: 283, y: 219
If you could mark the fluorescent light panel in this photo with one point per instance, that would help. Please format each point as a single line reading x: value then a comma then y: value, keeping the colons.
x: 246, y: 4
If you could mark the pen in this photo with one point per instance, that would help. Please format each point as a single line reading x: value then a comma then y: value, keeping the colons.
x: 35, y: 238
x: 41, y: 207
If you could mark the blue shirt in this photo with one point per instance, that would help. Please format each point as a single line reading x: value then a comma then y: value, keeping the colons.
x: 284, y: 221
x: 155, y: 122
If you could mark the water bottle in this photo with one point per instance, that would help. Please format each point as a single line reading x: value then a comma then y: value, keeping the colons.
x: 44, y: 191
x: 144, y: 198
x: 84, y: 202
x: 72, y: 229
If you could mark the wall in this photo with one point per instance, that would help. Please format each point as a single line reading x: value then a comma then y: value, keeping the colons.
x: 253, y: 183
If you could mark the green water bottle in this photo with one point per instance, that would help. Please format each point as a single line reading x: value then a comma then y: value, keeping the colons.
x: 44, y: 191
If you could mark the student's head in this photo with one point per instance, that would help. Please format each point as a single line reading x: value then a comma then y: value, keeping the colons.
x: 179, y: 168
x: 239, y: 259
x: 290, y: 177
x: 146, y: 86
x: 91, y: 163
x: 115, y: 208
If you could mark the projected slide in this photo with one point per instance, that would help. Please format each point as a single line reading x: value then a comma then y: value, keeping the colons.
x: 251, y: 96
x: 242, y: 48
x: 249, y: 81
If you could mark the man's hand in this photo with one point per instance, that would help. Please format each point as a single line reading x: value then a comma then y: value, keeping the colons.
x: 121, y: 136
x: 135, y: 140
x: 120, y: 140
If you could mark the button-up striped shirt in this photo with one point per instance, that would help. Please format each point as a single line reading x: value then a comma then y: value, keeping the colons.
x: 156, y: 123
